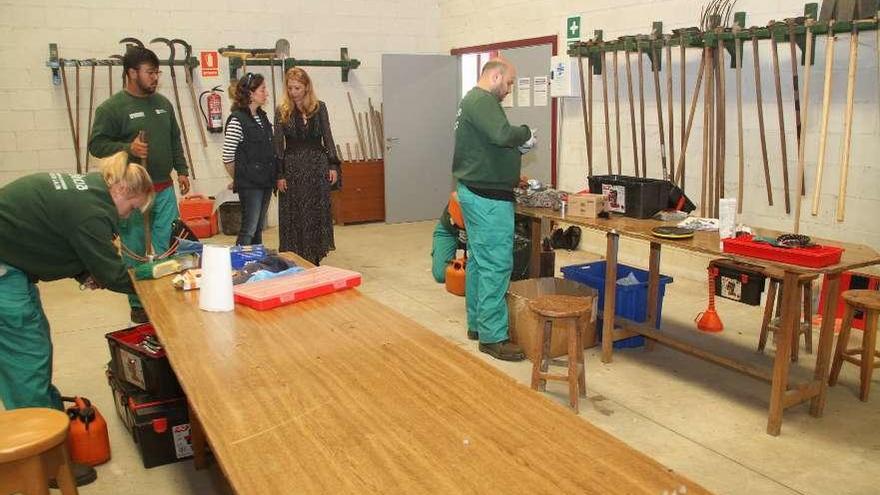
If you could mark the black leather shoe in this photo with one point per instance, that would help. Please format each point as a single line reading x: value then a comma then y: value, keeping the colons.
x: 504, y: 350
x: 139, y: 315
x: 82, y: 475
x: 474, y: 335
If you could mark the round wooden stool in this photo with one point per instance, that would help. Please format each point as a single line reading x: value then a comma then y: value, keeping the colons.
x: 33, y: 450
x: 867, y: 301
x: 771, y: 323
x: 561, y: 310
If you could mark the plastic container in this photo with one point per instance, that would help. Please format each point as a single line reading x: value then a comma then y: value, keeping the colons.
x: 314, y: 282
x: 850, y: 280
x: 159, y: 427
x: 242, y: 255
x: 230, y: 217
x: 630, y: 300
x: 144, y: 366
x: 739, y: 282
x: 813, y: 257
x: 196, y: 206
x: 633, y: 196
x: 201, y: 227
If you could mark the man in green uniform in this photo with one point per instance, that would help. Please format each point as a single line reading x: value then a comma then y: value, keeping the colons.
x: 117, y: 122
x: 55, y: 226
x: 486, y: 164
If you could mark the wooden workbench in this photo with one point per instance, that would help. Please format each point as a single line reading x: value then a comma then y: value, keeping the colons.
x: 782, y: 394
x: 341, y: 394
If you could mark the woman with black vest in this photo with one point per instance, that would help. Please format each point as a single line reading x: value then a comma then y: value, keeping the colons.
x: 249, y: 156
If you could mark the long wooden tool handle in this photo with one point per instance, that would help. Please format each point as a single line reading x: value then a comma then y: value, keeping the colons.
x: 70, y: 114
x: 91, y: 109
x: 110, y: 79
x: 632, y: 113
x: 823, y: 125
x: 584, y: 114
x: 739, y: 126
x: 189, y: 160
x: 617, y: 112
x: 590, y: 108
x: 781, y: 114
x: 792, y: 42
x: 710, y: 83
x: 76, y: 119
x: 802, y: 142
x: 642, y: 108
x: 760, y: 105
x: 847, y: 123
x: 679, y: 178
x: 357, y: 127
x: 683, y: 103
x: 722, y: 128
x: 670, y: 109
x: 607, y: 119
x: 658, y: 99
x: 708, y: 68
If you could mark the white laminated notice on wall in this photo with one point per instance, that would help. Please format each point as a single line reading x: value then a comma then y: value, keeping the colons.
x: 507, y: 102
x: 524, y: 92
x: 541, y: 86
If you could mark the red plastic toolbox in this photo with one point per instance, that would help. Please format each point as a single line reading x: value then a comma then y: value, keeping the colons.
x: 136, y: 359
x: 313, y: 282
x: 813, y: 257
x: 196, y: 206
x: 200, y: 227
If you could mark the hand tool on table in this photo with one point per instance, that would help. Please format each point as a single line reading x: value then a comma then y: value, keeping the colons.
x: 759, y: 103
x: 808, y: 55
x: 617, y: 112
x: 669, y: 106
x: 680, y: 169
x: 63, y: 66
x: 781, y: 115
x: 605, y: 106
x: 632, y: 111
x: 642, y: 104
x: 170, y: 45
x: 739, y: 119
x: 823, y: 125
x: 93, y: 63
x: 848, y: 121
x: 655, y: 69
x: 584, y: 112
x: 190, y: 83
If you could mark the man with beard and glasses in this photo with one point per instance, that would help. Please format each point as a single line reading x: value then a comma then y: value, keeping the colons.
x: 118, y: 122
x: 486, y: 166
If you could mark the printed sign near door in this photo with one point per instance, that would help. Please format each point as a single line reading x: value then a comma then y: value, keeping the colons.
x: 209, y: 63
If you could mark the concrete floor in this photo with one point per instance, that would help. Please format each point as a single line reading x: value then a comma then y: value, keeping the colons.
x: 698, y: 419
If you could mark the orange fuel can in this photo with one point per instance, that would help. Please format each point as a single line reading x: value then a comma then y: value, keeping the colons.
x: 88, y: 439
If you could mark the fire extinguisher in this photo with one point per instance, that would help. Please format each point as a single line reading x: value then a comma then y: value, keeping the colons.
x: 88, y: 439
x: 214, y: 117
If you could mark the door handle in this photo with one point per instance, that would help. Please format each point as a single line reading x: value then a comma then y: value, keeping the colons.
x: 389, y: 141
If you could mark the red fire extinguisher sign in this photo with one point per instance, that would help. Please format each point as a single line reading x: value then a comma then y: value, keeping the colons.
x: 209, y: 63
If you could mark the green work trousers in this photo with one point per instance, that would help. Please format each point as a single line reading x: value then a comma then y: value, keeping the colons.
x: 489, y: 224
x: 442, y: 251
x: 163, y: 213
x: 25, y: 344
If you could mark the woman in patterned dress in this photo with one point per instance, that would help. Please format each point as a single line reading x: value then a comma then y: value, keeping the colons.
x: 308, y: 167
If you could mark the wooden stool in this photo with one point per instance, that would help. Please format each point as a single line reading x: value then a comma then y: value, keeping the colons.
x: 771, y: 324
x: 565, y: 310
x: 33, y: 450
x: 869, y: 302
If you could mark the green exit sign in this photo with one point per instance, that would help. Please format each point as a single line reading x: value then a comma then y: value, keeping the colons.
x: 573, y: 28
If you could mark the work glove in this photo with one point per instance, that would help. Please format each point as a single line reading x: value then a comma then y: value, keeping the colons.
x: 528, y: 145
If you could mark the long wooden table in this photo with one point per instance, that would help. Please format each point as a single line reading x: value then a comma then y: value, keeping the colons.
x: 341, y: 394
x: 782, y: 394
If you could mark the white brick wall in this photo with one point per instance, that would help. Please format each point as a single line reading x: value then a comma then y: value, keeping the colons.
x: 465, y: 23
x: 34, y: 133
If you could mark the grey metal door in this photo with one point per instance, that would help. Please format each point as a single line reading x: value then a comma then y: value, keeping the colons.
x: 531, y: 61
x: 420, y: 95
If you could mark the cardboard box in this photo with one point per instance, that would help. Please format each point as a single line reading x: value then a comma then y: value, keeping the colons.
x: 585, y: 205
x: 524, y: 323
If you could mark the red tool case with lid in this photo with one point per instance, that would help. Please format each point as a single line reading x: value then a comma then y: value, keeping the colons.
x: 142, y: 365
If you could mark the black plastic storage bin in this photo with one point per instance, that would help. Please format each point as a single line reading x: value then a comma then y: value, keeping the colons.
x: 159, y: 427
x: 143, y: 366
x: 633, y: 196
x: 739, y: 281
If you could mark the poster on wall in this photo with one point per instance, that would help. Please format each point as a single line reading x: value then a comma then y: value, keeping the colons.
x: 541, y: 87
x: 524, y: 92
x: 209, y: 63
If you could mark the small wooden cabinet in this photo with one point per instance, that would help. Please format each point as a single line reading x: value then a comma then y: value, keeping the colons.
x: 362, y: 197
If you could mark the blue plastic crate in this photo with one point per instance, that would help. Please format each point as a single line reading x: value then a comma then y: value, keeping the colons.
x: 630, y: 300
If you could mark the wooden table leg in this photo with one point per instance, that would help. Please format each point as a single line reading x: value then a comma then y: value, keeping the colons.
x: 199, y: 441
x: 826, y: 342
x: 653, y: 289
x: 781, y: 363
x: 610, y: 293
x: 538, y: 228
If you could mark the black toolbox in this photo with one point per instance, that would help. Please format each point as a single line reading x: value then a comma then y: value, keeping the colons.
x: 160, y: 427
x: 138, y: 358
x: 635, y: 197
x: 739, y: 281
